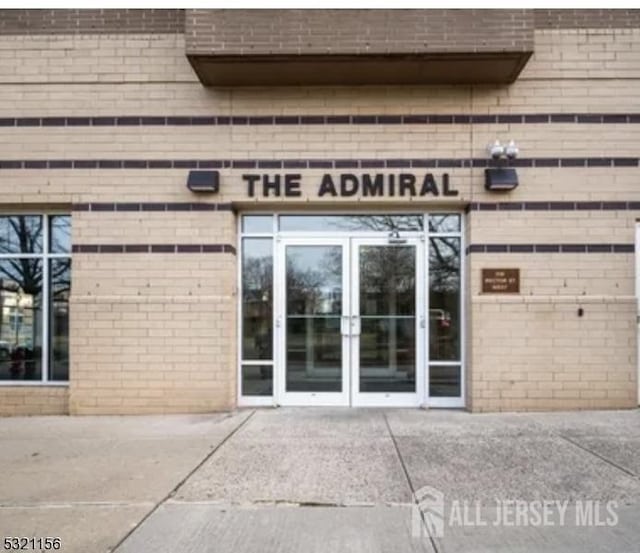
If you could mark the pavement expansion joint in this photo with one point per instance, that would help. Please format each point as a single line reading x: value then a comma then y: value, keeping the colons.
x: 259, y: 503
x: 173, y: 491
x: 627, y: 471
x: 432, y: 540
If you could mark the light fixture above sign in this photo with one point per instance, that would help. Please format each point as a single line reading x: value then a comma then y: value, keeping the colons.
x: 207, y: 182
x: 500, y: 179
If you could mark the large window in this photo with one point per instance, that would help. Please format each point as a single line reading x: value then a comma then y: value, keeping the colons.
x: 35, y: 282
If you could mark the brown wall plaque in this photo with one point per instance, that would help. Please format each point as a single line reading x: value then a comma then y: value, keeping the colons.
x: 500, y: 281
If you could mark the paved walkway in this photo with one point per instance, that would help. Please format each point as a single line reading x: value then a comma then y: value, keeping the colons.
x: 325, y: 480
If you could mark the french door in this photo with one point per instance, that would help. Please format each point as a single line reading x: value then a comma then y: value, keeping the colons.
x: 350, y: 321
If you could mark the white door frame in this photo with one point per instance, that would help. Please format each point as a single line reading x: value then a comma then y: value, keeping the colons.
x: 350, y: 394
x: 283, y: 397
x: 388, y: 399
x: 346, y: 238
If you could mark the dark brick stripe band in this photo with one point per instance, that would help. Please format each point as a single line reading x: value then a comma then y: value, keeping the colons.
x: 553, y: 206
x: 154, y: 248
x: 152, y: 206
x: 475, y: 206
x: 225, y: 120
x: 550, y: 248
x: 444, y: 163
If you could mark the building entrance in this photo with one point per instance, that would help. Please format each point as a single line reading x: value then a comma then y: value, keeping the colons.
x: 351, y: 317
x: 353, y: 323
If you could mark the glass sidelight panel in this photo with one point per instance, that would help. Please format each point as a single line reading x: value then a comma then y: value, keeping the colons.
x: 257, y: 299
x: 313, y: 318
x: 387, y: 318
x: 444, y: 381
x: 444, y: 299
x: 444, y: 317
x: 60, y: 289
x: 257, y: 380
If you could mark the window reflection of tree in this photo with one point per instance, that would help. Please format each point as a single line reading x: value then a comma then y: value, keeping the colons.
x: 257, y: 298
x: 317, y: 289
x: 314, y: 308
x: 379, y: 223
x: 61, y: 279
x: 387, y: 289
x: 20, y: 277
x: 60, y: 233
x: 444, y: 285
x: 444, y: 223
x: 60, y: 290
x: 23, y: 234
x: 387, y: 277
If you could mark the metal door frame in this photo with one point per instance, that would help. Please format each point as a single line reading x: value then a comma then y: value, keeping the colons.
x: 280, y: 295
x: 331, y: 237
x: 388, y: 399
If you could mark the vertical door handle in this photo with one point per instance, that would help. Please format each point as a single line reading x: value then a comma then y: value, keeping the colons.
x: 355, y: 325
x: 344, y: 326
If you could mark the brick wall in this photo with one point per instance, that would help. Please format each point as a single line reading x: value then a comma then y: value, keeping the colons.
x: 30, y: 400
x: 259, y: 32
x: 536, y: 353
x: 47, y: 22
x: 97, y: 21
x: 155, y: 332
x: 586, y: 19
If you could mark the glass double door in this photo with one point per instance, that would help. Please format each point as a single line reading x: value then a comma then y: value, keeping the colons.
x: 350, y: 322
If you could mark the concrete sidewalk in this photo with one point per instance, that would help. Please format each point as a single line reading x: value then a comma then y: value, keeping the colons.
x: 322, y: 480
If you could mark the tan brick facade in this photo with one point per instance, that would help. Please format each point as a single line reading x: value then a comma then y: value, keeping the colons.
x: 156, y: 331
x: 29, y: 400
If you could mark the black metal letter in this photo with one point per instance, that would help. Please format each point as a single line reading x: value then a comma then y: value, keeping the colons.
x: 292, y: 185
x: 268, y: 185
x: 429, y: 186
x: 372, y: 187
x: 407, y: 181
x: 327, y: 186
x: 446, y: 191
x: 346, y: 180
x: 251, y: 181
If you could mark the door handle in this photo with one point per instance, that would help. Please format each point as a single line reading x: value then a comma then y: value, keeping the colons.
x: 344, y: 326
x: 355, y: 325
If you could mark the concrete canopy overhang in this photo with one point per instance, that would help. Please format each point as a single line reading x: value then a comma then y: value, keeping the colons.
x: 358, y: 47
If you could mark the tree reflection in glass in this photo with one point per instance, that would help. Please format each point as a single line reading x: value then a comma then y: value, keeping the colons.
x: 314, y: 309
x: 444, y: 299
x: 60, y: 233
x: 257, y: 299
x: 351, y: 223
x: 387, y: 313
x: 60, y: 275
x: 257, y: 315
x: 20, y: 298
